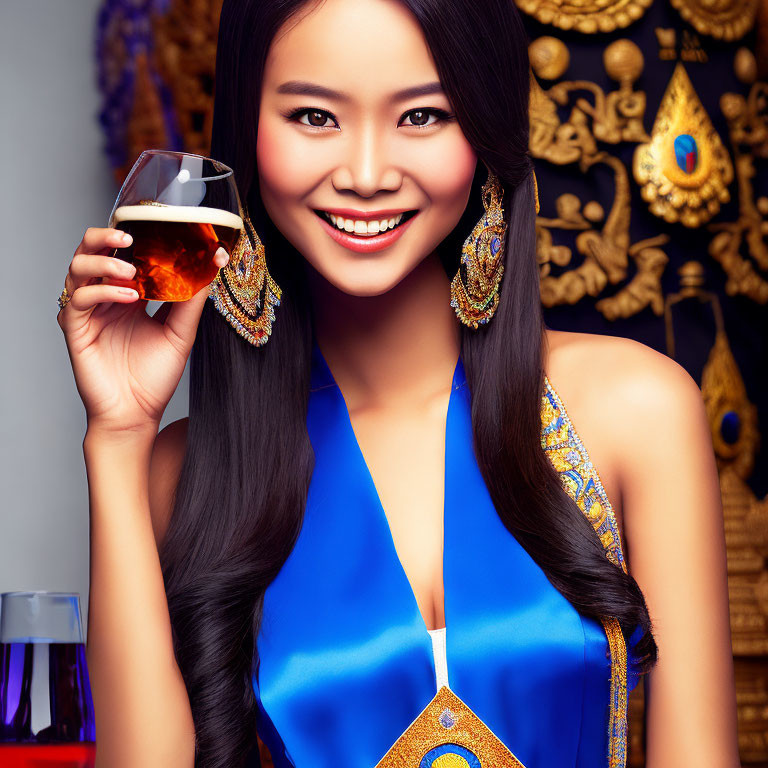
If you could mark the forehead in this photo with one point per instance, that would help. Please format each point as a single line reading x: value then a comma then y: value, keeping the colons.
x: 353, y: 45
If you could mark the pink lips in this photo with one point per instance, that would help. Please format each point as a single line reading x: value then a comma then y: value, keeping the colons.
x: 370, y: 243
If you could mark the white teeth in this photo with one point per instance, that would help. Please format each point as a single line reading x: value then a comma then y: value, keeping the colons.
x: 360, y: 227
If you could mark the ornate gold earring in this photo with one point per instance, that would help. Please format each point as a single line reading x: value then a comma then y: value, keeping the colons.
x: 244, y: 291
x: 475, y: 294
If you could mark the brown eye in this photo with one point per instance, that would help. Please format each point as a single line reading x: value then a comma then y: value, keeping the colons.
x: 419, y: 117
x: 317, y: 118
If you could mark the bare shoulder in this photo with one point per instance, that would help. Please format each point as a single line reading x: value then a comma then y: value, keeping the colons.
x: 626, y: 401
x: 167, y: 459
x: 613, y: 380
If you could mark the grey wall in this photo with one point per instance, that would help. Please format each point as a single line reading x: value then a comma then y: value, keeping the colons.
x: 56, y: 182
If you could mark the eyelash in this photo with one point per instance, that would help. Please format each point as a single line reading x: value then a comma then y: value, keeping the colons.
x: 441, y: 114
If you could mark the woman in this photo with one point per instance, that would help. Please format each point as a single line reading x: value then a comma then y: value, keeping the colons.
x: 346, y: 536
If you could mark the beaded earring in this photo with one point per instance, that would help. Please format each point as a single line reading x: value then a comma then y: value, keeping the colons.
x: 244, y: 291
x: 475, y: 286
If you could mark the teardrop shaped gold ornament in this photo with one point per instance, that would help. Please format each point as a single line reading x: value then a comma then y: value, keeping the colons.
x: 684, y: 171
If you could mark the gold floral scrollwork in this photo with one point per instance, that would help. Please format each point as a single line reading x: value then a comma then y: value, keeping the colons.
x: 684, y: 171
x: 722, y: 19
x: 747, y: 120
x: 584, y: 15
x: 606, y: 252
x: 618, y: 115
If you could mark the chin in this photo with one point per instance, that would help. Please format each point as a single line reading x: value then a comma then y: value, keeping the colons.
x: 365, y: 285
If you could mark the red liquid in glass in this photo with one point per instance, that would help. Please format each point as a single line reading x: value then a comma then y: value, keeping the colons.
x: 46, y: 709
x: 47, y: 755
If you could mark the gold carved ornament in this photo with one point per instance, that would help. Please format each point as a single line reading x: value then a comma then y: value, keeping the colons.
x: 740, y: 246
x: 684, y: 170
x: 722, y: 19
x: 585, y: 16
x: 611, y: 118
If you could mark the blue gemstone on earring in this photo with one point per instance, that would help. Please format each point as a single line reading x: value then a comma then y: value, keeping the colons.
x: 495, y: 245
x: 686, y: 153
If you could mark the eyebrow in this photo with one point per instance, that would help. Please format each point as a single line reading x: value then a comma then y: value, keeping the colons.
x: 305, y: 88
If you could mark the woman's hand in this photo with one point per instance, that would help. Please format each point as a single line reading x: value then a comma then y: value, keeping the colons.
x: 127, y: 363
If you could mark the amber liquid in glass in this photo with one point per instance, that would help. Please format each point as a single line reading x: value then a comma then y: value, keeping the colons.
x: 173, y: 247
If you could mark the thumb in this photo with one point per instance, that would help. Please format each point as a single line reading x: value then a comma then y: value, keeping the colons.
x: 184, y: 316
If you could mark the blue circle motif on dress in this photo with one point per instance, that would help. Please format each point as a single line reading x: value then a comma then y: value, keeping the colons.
x: 686, y: 152
x: 450, y: 756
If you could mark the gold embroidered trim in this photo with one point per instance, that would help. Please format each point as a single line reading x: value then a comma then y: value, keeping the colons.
x: 581, y: 481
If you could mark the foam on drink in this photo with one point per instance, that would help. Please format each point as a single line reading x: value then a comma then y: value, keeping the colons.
x: 173, y: 246
x: 178, y: 214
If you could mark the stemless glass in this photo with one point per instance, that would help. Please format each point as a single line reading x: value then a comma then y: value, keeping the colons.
x: 179, y: 208
x: 46, y: 709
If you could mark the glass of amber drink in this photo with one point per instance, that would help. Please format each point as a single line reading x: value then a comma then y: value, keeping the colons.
x: 179, y: 208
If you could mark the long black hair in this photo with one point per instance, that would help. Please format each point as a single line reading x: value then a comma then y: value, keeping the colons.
x: 240, y: 498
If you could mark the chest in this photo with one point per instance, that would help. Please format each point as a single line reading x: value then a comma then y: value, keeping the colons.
x: 404, y: 453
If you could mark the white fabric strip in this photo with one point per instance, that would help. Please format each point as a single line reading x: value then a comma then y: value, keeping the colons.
x: 438, y: 651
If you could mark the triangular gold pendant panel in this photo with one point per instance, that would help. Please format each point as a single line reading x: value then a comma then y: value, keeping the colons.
x: 448, y: 734
x: 684, y: 171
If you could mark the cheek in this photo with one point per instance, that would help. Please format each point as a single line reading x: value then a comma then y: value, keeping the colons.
x: 448, y: 170
x: 285, y: 166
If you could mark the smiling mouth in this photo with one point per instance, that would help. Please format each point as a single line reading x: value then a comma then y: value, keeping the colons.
x: 352, y: 227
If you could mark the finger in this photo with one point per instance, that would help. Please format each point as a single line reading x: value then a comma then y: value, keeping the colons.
x: 85, y: 267
x: 182, y: 317
x: 102, y: 240
x: 221, y: 257
x: 85, y: 298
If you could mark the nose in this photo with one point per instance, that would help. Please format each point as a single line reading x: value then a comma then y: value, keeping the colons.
x: 366, y: 167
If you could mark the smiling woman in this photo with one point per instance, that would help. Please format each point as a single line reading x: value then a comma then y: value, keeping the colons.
x: 382, y: 539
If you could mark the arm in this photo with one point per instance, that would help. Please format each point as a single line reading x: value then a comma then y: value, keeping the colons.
x: 143, y: 716
x: 673, y: 522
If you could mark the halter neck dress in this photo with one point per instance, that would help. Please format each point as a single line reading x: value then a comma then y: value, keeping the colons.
x: 346, y: 662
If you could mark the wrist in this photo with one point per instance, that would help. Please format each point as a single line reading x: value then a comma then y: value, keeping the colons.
x: 102, y: 434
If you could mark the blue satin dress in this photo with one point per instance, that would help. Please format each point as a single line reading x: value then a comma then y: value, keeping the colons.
x: 345, y: 659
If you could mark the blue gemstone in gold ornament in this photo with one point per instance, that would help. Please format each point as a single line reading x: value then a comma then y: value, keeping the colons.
x: 686, y: 153
x: 450, y: 756
x: 495, y: 245
x: 730, y: 426
x: 683, y: 178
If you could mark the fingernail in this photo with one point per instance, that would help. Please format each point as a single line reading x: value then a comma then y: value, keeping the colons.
x: 128, y: 269
x: 127, y: 291
x: 127, y: 239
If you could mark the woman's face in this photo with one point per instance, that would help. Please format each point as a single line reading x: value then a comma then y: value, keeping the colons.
x: 341, y: 138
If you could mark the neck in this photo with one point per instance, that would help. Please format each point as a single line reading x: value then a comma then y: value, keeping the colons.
x: 401, y: 346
